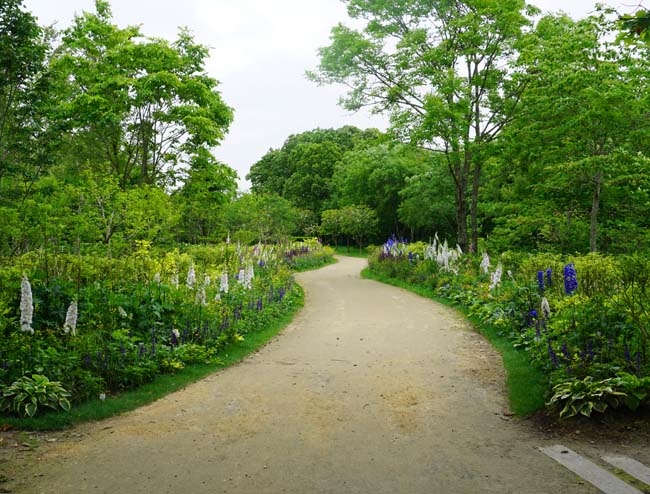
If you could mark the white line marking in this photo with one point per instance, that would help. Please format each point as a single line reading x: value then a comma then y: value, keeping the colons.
x: 630, y: 466
x: 592, y: 473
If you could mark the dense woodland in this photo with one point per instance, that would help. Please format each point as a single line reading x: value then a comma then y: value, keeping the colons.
x: 521, y: 130
x: 511, y: 131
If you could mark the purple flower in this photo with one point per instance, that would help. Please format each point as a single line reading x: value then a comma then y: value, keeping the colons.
x: 549, y: 277
x: 540, y: 280
x: 570, y: 279
x: 628, y: 357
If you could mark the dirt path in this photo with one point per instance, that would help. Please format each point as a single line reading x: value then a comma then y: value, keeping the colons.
x: 371, y: 390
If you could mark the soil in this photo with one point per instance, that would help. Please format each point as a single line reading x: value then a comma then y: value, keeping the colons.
x: 371, y: 389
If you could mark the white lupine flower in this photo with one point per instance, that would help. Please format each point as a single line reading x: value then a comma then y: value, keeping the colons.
x: 249, y: 274
x: 546, y: 308
x: 156, y: 278
x: 174, y: 280
x: 223, y: 283
x: 496, y: 277
x: 200, y: 296
x: 191, y: 277
x: 176, y: 333
x: 26, y: 306
x: 485, y: 263
x: 207, y: 280
x: 122, y: 312
x: 228, y: 239
x: 70, y: 325
x: 242, y: 277
x: 102, y: 396
x: 217, y: 297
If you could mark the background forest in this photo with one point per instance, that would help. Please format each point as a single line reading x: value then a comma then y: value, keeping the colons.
x: 511, y: 132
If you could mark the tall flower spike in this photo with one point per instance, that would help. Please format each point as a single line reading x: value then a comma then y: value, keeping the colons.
x: 70, y: 325
x: 191, y: 277
x: 26, y: 306
x: 495, y: 278
x: 546, y: 308
x: 485, y: 263
x: 223, y: 283
x: 570, y: 279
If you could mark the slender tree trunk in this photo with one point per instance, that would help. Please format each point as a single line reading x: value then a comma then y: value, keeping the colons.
x: 461, y: 218
x: 476, y: 181
x: 593, y: 233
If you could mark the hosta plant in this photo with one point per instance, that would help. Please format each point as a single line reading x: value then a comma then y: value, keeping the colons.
x: 583, y: 396
x: 27, y: 395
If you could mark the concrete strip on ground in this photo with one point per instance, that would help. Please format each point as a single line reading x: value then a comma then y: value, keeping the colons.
x: 589, y: 471
x: 630, y: 466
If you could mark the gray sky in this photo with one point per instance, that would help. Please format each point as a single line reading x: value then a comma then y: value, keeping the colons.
x: 260, y: 50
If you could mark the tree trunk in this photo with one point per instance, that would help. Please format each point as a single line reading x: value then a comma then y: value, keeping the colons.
x: 461, y: 218
x: 474, y: 208
x: 593, y: 233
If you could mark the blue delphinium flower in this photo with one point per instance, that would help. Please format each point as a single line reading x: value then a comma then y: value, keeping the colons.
x: 570, y: 279
x: 540, y: 280
x: 549, y: 277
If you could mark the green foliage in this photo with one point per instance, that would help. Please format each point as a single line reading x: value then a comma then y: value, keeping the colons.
x: 583, y: 342
x: 440, y: 71
x: 352, y: 222
x: 301, y: 171
x: 26, y: 395
x: 584, y: 396
x: 139, y: 316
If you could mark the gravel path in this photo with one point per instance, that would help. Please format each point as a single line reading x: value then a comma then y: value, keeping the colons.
x: 370, y: 390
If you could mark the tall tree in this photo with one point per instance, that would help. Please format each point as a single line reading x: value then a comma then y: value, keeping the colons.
x: 301, y: 171
x: 586, y: 101
x: 374, y: 177
x: 141, y: 105
x: 440, y: 69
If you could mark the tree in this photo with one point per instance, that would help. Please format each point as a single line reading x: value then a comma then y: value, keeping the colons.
x: 440, y: 69
x: 374, y: 177
x: 356, y: 222
x: 207, y: 187
x: 301, y: 171
x: 261, y: 217
x: 141, y: 105
x: 586, y: 101
x: 427, y: 202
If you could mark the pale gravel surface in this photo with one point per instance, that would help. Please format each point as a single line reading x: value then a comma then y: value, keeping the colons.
x: 370, y: 390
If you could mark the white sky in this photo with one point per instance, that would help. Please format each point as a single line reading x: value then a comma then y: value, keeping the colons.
x: 260, y: 50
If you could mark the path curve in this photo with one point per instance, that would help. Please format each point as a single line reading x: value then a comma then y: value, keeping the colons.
x: 370, y: 390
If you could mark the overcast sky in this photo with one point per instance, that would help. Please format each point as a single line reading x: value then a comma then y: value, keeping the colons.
x: 260, y: 50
